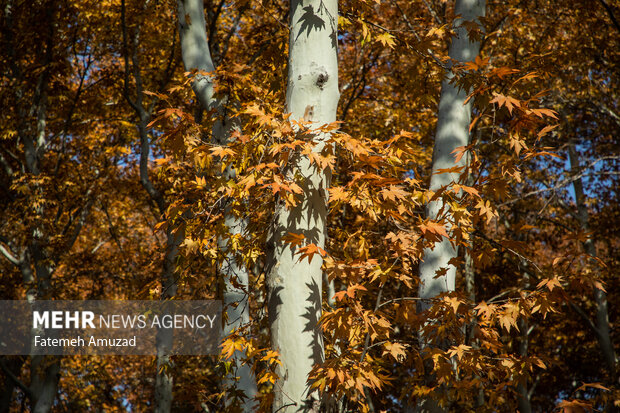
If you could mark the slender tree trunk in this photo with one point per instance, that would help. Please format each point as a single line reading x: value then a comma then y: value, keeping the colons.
x: 600, y: 297
x: 452, y: 132
x: 163, y: 380
x: 44, y: 385
x: 295, y: 286
x: 524, y: 398
x: 470, y: 289
x: 196, y: 55
x: 44, y: 373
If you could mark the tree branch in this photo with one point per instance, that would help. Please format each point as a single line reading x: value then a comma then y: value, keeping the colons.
x: 610, y: 12
x: 10, y: 255
x: 585, y: 317
x: 126, y: 59
x: 567, y: 181
x: 15, y: 380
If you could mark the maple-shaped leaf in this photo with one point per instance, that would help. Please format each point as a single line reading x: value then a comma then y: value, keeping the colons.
x: 459, y: 351
x: 294, y: 240
x: 517, y: 144
x: 453, y: 302
x: 272, y: 357
x: 229, y: 346
x: 396, y: 350
x: 393, y: 193
x: 486, y: 209
x: 550, y: 283
x: 485, y: 311
x: 434, y: 228
x: 507, y: 101
x: 337, y: 193
x: 340, y: 295
x: 353, y: 288
x: 440, y: 272
x: 308, y: 252
x: 221, y: 151
x: 459, y: 152
x: 386, y: 39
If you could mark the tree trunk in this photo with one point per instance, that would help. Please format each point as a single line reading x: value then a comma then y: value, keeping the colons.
x: 295, y: 286
x: 44, y: 384
x: 600, y: 297
x: 163, y: 379
x: 44, y: 374
x: 524, y: 398
x: 11, y: 368
x: 195, y: 49
x: 452, y: 132
x: 196, y: 55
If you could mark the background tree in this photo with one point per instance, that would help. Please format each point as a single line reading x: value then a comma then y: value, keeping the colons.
x: 197, y: 57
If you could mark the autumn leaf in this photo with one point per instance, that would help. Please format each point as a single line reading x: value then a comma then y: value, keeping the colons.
x: 309, y: 250
x: 386, y: 39
x: 434, y: 228
x: 294, y: 240
x: 507, y: 101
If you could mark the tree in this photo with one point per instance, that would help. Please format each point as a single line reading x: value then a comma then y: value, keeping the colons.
x: 33, y: 95
x: 174, y: 235
x: 438, y: 266
x: 197, y: 57
x: 294, y: 281
x: 437, y: 272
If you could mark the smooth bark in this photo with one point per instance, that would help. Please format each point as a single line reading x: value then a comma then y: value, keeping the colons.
x: 195, y: 49
x: 452, y: 132
x: 524, y: 397
x: 295, y: 285
x: 196, y: 56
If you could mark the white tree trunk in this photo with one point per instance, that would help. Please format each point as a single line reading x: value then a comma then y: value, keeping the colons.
x: 164, y: 342
x: 195, y: 48
x: 452, y: 132
x: 196, y: 55
x: 295, y: 286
